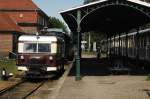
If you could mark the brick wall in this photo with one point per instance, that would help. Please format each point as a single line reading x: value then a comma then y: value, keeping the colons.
x: 29, y: 22
x: 19, y: 17
x: 5, y: 44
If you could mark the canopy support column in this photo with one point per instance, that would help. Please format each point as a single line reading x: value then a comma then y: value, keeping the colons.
x: 126, y: 43
x: 119, y: 47
x: 126, y: 49
x: 114, y: 45
x: 107, y: 46
x: 77, y: 56
x: 110, y: 49
x: 137, y: 47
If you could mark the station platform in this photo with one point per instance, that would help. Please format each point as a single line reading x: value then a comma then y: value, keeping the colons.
x: 97, y: 83
x: 105, y: 87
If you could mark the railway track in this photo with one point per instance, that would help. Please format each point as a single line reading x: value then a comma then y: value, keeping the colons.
x: 21, y: 90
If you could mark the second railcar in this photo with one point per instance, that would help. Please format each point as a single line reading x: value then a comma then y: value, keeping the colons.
x: 135, y: 46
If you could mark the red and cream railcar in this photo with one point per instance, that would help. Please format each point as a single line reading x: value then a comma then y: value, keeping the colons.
x: 40, y: 54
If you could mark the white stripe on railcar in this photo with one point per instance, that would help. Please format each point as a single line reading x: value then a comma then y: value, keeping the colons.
x: 22, y: 68
x: 51, y: 68
x: 34, y: 38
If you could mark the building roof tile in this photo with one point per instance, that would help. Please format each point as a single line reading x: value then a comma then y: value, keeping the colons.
x: 18, y: 5
x: 7, y: 24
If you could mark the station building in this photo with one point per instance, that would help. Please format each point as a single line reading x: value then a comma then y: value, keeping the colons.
x: 18, y: 17
x: 28, y: 16
x: 9, y: 31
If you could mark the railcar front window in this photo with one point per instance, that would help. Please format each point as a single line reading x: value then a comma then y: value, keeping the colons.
x: 30, y: 48
x: 43, y: 47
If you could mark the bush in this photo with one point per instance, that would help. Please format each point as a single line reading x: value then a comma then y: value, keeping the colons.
x: 148, y: 78
x: 9, y: 65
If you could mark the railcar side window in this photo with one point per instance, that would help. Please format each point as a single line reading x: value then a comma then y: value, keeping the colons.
x: 44, y: 47
x: 30, y: 47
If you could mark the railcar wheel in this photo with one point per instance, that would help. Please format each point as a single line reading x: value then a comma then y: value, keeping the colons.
x: 62, y: 65
x: 60, y: 68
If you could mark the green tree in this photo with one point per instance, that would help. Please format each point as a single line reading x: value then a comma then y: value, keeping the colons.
x: 56, y: 23
x: 95, y: 37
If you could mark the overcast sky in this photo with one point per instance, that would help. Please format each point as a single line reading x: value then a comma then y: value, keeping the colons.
x: 53, y: 7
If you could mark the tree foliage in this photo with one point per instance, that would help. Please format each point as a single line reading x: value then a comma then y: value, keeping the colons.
x: 56, y: 23
x: 95, y: 37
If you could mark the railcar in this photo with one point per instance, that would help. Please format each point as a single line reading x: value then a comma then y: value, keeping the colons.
x: 38, y: 55
x: 68, y: 43
x: 135, y: 46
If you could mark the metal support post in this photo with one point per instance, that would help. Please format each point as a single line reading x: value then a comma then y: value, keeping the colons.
x: 137, y: 47
x: 119, y: 46
x: 89, y: 45
x: 126, y: 42
x: 80, y: 51
x: 114, y: 45
x: 107, y: 46
x: 126, y: 49
x: 77, y: 56
x: 137, y: 41
x: 110, y: 47
x: 110, y: 51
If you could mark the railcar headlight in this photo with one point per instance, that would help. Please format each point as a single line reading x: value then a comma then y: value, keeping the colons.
x: 50, y: 58
x: 21, y: 57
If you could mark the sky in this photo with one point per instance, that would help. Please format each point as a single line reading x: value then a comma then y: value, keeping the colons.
x: 53, y: 7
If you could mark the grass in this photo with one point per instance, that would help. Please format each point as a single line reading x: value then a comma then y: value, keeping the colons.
x: 9, y: 65
x: 148, y: 78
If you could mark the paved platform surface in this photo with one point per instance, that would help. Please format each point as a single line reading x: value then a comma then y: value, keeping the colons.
x: 98, y: 83
x: 105, y: 87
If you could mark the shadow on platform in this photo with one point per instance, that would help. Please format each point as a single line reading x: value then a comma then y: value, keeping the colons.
x: 92, y: 67
x: 101, y: 67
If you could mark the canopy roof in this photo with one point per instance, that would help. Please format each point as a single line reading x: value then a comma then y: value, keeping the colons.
x: 109, y: 16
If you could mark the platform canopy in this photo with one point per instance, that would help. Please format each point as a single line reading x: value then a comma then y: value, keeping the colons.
x: 108, y: 16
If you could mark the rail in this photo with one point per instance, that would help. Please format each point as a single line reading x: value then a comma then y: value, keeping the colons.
x: 21, y: 90
x: 9, y: 88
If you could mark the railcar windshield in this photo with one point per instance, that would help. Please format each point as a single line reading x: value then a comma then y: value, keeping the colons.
x: 37, y: 47
x: 30, y: 47
x: 43, y: 47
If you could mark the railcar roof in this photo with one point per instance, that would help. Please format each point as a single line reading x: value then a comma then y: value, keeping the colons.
x: 134, y: 33
x: 130, y: 34
x: 37, y: 38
